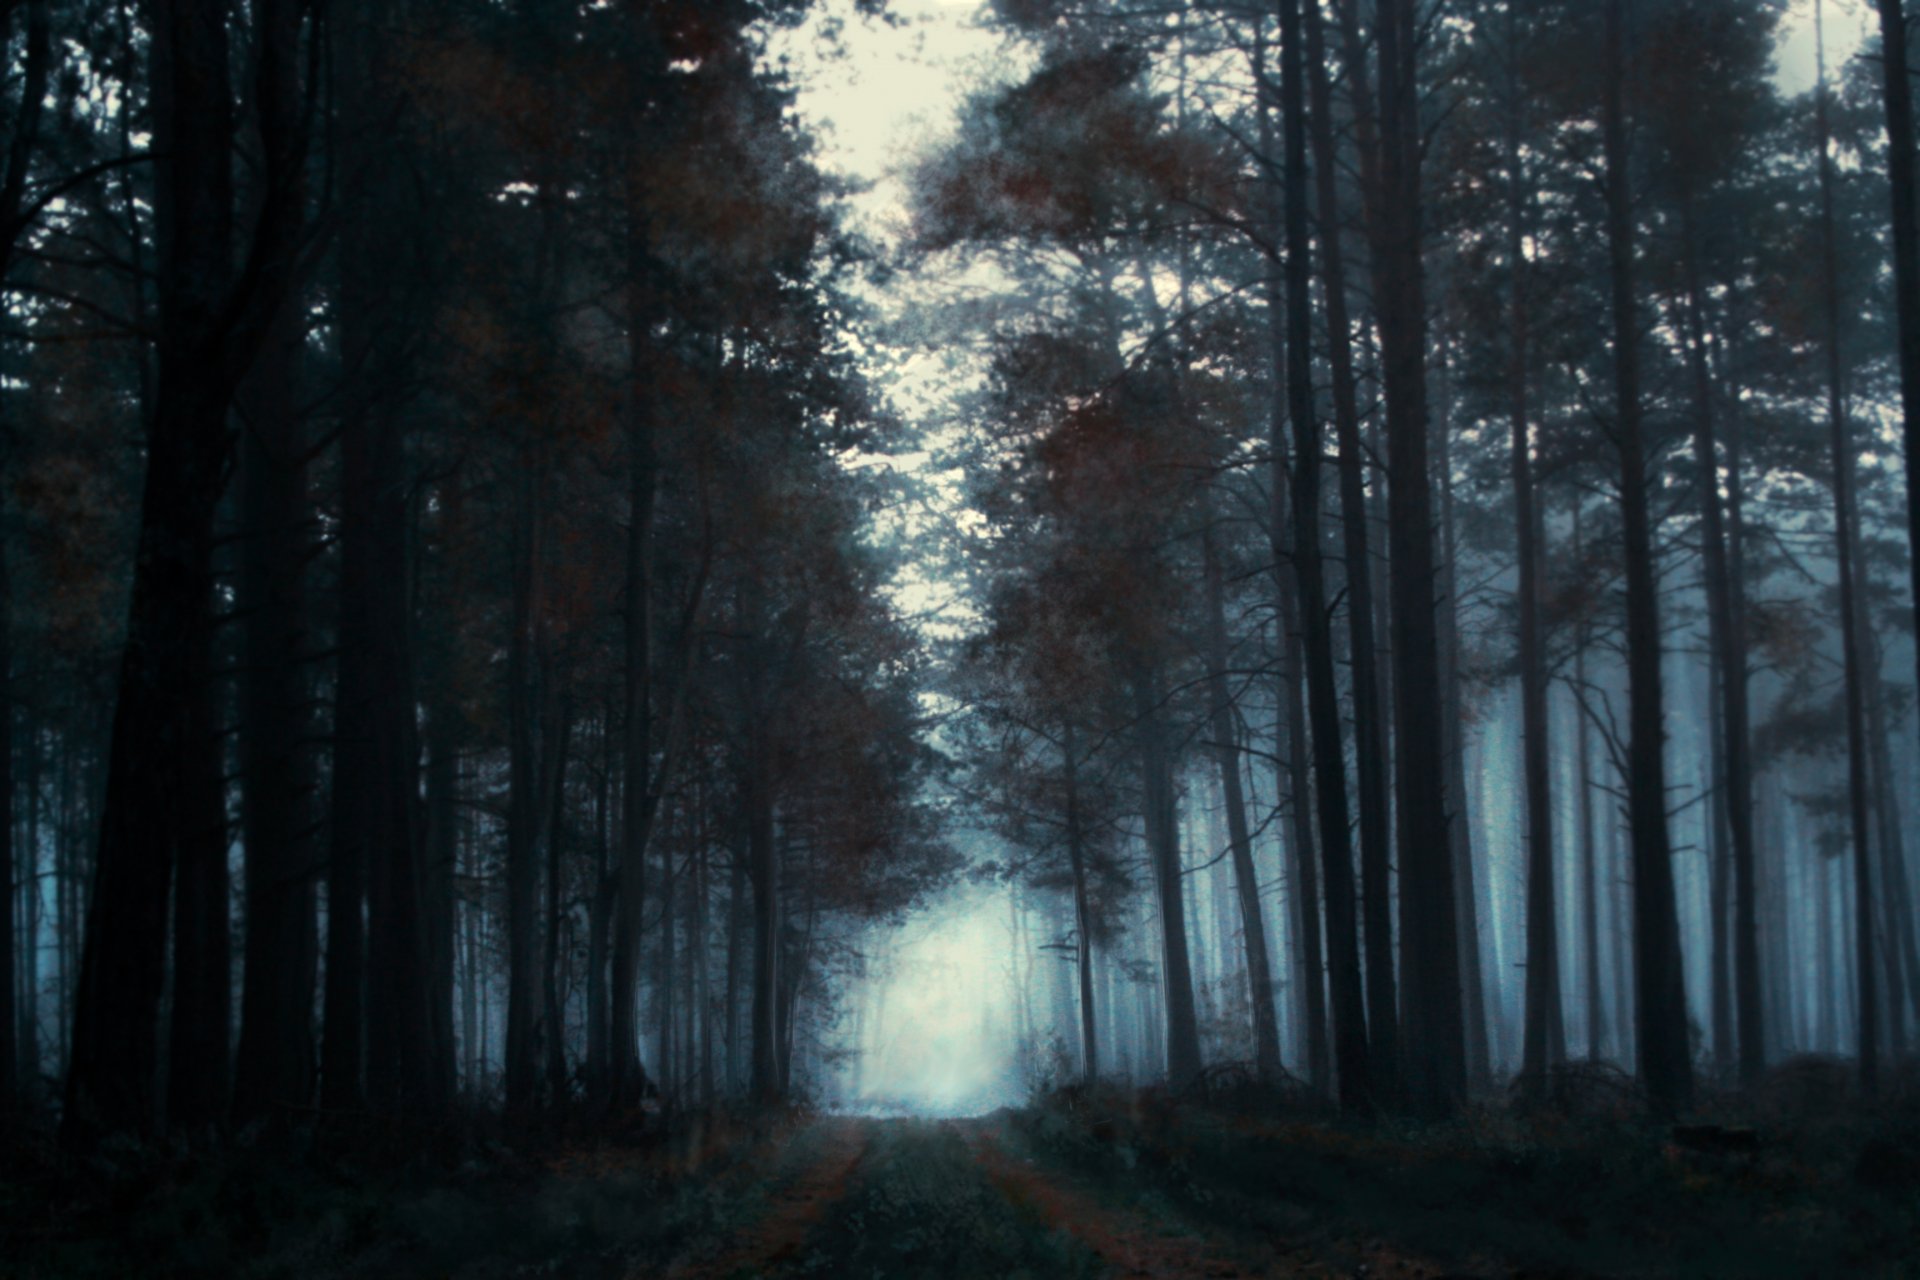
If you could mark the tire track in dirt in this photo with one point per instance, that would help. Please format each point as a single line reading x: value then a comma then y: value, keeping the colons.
x: 781, y: 1233
x: 1127, y: 1240
x: 1124, y: 1239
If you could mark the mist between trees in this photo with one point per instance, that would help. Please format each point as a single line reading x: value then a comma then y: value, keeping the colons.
x: 1417, y: 491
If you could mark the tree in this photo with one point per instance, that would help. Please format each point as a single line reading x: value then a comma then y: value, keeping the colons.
x: 1661, y: 1027
x: 161, y: 814
x: 1897, y: 98
x: 1433, y: 1050
x: 275, y: 1066
x: 1353, y: 1053
x: 1372, y: 793
x: 1545, y: 1037
x: 1841, y: 452
x: 22, y: 142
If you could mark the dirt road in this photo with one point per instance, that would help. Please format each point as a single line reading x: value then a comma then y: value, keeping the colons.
x: 963, y: 1198
x: 1131, y: 1187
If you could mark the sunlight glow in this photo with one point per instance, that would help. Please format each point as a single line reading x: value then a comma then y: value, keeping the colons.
x: 936, y: 1032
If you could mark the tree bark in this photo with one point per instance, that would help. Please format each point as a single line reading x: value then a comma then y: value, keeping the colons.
x: 1226, y: 753
x: 1903, y: 946
x: 162, y: 753
x: 552, y: 1006
x: 472, y: 993
x: 1454, y: 751
x: 700, y: 1014
x: 1897, y: 97
x: 1082, y: 914
x: 1544, y: 1043
x: 1433, y: 1046
x: 377, y: 998
x: 440, y: 847
x: 763, y: 860
x: 638, y: 801
x: 1726, y: 626
x: 1666, y: 1070
x: 665, y: 997
x: 22, y: 143
x: 275, y: 1066
x: 12, y: 1060
x: 1369, y: 717
x: 1720, y: 881
x: 736, y: 931
x: 1295, y: 535
x: 1589, y: 852
x: 1859, y: 805
x: 1163, y: 853
x: 524, y: 794
x: 599, y: 923
x: 1343, y: 1000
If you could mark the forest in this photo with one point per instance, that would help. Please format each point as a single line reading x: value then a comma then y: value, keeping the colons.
x: 1136, y: 638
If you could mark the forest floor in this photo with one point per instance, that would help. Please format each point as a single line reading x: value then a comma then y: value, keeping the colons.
x: 1110, y: 1185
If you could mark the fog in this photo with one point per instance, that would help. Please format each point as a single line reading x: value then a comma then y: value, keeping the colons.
x: 933, y: 1029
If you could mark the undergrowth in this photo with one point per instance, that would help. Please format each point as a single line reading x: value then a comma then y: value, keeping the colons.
x: 1587, y: 1187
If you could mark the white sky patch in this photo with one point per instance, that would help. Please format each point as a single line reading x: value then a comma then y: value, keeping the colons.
x: 1849, y: 24
x: 887, y: 92
x: 878, y: 96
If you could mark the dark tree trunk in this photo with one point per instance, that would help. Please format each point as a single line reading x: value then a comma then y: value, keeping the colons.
x: 1897, y: 92
x: 1859, y: 804
x: 795, y: 953
x: 638, y: 802
x: 1589, y: 853
x: 1369, y: 718
x: 162, y: 764
x: 1748, y: 974
x: 473, y: 1018
x: 444, y: 824
x: 440, y: 845
x: 1376, y: 888
x: 1295, y: 535
x: 1433, y: 1047
x: 1726, y: 628
x: 32, y: 918
x: 1720, y: 883
x: 1903, y: 947
x: 736, y: 931
x: 764, y: 871
x: 380, y: 990
x: 1083, y: 914
x: 1292, y: 780
x: 198, y: 1067
x: 1226, y: 752
x: 12, y: 1059
x: 599, y: 922
x: 700, y: 1015
x: 35, y: 1043
x: 1544, y: 1042
x: 666, y: 1069
x: 162, y: 749
x: 275, y: 1066
x: 1454, y: 752
x: 552, y: 1008
x: 68, y: 876
x: 1312, y: 865
x: 22, y: 141
x: 524, y: 810
x: 400, y: 1076
x: 1666, y: 1070
x: 1163, y: 853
